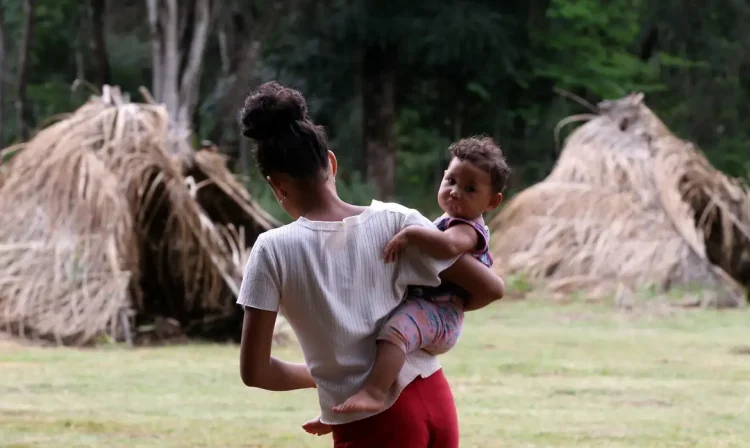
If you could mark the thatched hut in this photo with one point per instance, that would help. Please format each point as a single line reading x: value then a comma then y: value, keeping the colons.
x: 109, y: 224
x: 630, y: 205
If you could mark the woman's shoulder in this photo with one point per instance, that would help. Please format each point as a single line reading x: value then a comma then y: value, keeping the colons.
x: 390, y: 207
x: 395, y: 209
x: 273, y: 237
x: 403, y: 215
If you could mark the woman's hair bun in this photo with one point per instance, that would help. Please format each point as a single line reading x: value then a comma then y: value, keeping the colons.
x: 271, y: 110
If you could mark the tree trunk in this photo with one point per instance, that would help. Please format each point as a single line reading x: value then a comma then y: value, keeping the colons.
x: 2, y: 78
x: 178, y: 35
x: 157, y: 49
x: 379, y: 116
x: 226, y: 63
x: 189, y: 86
x: 171, y: 54
x: 239, y: 77
x: 27, y: 36
x: 237, y: 89
x: 98, y: 41
x: 80, y: 44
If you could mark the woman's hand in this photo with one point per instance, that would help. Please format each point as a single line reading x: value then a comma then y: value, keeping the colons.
x: 257, y: 367
x: 478, y: 280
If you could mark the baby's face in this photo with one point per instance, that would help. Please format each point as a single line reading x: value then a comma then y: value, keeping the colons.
x: 465, y: 191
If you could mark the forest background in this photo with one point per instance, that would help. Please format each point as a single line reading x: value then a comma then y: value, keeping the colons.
x: 393, y: 82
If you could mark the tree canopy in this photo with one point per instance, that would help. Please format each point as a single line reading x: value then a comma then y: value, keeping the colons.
x: 393, y: 82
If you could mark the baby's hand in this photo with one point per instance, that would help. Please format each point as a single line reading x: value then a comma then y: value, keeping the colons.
x: 395, y: 246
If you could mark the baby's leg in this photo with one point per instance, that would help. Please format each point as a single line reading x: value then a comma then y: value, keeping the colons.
x: 407, y: 330
x: 446, y: 322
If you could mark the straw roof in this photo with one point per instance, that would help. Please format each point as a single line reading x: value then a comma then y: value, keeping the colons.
x: 102, y: 226
x: 629, y: 204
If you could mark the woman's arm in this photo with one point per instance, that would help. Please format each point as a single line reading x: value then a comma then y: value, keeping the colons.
x: 260, y: 295
x: 418, y: 268
x: 481, y: 282
x: 257, y: 367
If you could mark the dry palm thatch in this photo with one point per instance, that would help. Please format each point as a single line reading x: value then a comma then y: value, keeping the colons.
x: 630, y: 205
x: 103, y: 220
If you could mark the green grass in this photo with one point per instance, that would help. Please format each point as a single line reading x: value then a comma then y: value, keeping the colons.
x: 525, y: 374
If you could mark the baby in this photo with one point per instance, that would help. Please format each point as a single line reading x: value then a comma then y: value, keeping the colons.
x: 430, y: 319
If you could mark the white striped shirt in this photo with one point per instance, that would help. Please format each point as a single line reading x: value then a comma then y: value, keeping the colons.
x: 330, y: 281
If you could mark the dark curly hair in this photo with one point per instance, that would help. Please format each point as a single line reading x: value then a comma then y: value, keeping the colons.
x: 287, y: 140
x: 483, y: 153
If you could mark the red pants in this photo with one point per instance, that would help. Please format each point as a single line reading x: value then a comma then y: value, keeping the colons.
x: 424, y: 416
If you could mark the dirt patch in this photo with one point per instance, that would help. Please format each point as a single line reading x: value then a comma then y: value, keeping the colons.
x: 9, y: 343
x: 575, y: 317
x: 587, y: 392
x: 740, y: 350
x: 649, y: 402
x: 54, y: 424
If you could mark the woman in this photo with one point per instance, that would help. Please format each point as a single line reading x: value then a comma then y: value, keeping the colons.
x: 325, y: 269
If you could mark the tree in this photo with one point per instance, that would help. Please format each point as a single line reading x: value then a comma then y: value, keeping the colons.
x: 179, y: 32
x: 27, y: 36
x: 241, y: 33
x: 97, y: 10
x: 379, y: 119
x: 2, y: 74
x: 373, y: 50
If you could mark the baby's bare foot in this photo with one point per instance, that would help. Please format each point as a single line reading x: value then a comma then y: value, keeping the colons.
x: 362, y: 401
x: 315, y: 426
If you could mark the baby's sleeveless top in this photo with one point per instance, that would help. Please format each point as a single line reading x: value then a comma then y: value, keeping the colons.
x: 481, y: 253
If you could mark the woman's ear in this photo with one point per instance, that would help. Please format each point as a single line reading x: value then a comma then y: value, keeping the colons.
x: 278, y: 190
x: 334, y: 163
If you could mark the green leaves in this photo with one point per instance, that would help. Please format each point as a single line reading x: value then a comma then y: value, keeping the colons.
x: 587, y: 45
x: 478, y: 90
x: 465, y: 33
x: 463, y: 67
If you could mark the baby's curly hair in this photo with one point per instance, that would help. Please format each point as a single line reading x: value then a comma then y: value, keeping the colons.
x: 483, y: 153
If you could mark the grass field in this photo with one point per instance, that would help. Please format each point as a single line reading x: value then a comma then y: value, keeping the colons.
x: 525, y: 374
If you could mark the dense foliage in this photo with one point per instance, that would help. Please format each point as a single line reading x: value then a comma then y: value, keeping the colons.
x: 427, y: 73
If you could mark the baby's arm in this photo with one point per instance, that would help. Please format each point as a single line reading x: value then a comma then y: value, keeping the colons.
x: 456, y: 240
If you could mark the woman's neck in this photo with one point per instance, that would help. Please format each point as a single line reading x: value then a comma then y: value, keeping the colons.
x: 325, y: 205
